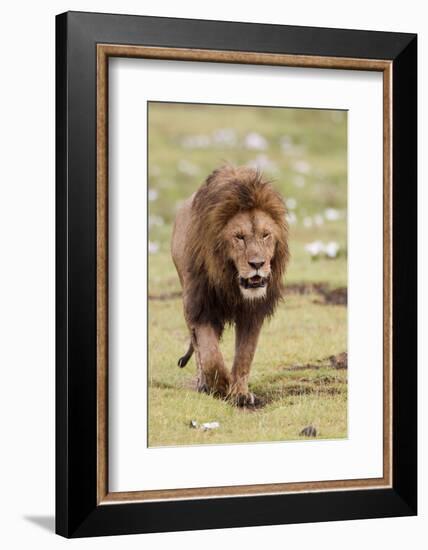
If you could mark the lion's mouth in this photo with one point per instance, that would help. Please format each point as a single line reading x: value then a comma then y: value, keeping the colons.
x: 253, y: 282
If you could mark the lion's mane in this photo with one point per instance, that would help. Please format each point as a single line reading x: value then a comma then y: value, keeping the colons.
x: 214, y: 297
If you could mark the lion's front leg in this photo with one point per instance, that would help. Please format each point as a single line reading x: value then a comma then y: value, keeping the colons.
x: 213, y: 376
x: 246, y: 339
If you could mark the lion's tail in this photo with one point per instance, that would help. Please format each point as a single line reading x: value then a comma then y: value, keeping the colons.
x: 182, y: 362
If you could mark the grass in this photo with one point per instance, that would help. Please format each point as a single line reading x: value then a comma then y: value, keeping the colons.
x: 310, y: 170
x: 295, y: 398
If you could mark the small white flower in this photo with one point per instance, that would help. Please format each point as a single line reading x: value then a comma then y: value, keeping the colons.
x: 318, y: 219
x: 253, y: 140
x: 331, y: 249
x: 155, y: 221
x: 307, y: 221
x: 291, y: 218
x: 153, y: 194
x: 299, y: 181
x: 196, y: 142
x: 315, y: 248
x: 225, y: 136
x: 263, y: 162
x: 291, y: 203
x: 153, y: 247
x: 302, y: 166
x: 331, y: 214
x: 186, y: 167
x: 286, y: 144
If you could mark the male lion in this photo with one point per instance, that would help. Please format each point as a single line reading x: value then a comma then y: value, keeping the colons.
x: 230, y: 249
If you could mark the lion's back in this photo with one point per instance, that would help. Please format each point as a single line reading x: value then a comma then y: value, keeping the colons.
x: 179, y: 236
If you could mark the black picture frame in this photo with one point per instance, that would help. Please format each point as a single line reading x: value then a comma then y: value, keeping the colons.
x: 77, y: 511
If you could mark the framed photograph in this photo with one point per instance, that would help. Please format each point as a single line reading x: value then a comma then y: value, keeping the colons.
x: 236, y: 274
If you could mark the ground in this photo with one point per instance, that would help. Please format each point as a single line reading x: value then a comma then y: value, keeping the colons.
x: 297, y: 368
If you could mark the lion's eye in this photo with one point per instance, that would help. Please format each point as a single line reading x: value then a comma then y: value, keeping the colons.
x: 240, y: 237
x: 266, y: 235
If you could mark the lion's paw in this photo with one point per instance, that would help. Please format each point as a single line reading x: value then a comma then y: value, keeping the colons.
x: 247, y: 400
x: 215, y: 384
x: 203, y: 388
x: 214, y: 391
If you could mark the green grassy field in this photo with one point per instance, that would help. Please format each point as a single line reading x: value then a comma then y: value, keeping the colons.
x: 304, y: 153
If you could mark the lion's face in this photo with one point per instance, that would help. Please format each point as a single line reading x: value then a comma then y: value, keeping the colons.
x: 250, y: 238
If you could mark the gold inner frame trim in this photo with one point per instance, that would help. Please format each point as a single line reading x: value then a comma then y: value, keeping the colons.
x: 104, y: 51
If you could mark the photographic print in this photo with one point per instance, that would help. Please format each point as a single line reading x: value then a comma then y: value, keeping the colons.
x: 247, y: 274
x: 231, y: 280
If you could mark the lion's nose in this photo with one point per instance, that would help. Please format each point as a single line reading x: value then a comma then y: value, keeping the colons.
x: 257, y: 264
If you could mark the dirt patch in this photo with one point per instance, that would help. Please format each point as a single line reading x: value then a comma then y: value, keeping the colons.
x: 339, y: 361
x: 275, y: 389
x: 326, y: 384
x: 162, y: 385
x: 335, y: 296
x: 166, y: 296
x: 321, y: 380
x: 271, y: 395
